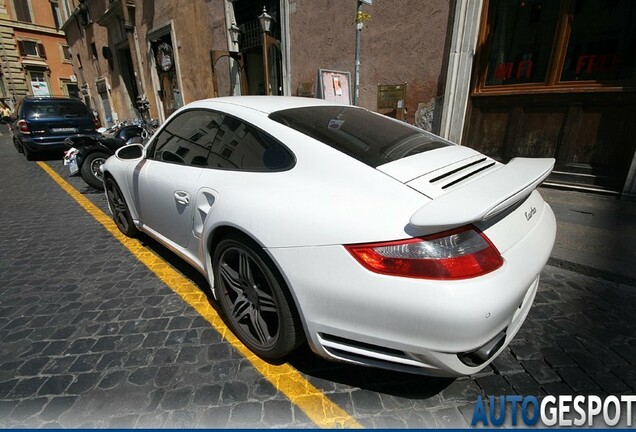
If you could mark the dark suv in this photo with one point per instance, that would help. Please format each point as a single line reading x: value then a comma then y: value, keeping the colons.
x: 42, y: 124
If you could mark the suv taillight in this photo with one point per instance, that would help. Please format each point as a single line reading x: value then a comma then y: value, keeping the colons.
x: 458, y: 254
x: 96, y: 122
x: 23, y: 126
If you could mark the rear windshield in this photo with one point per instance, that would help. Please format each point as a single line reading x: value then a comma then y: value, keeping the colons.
x: 55, y: 109
x: 370, y: 138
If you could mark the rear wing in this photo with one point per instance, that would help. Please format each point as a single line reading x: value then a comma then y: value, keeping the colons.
x: 486, y: 196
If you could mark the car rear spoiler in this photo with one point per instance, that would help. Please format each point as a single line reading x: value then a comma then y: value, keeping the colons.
x: 486, y: 196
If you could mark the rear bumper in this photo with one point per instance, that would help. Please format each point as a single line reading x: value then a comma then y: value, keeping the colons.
x: 36, y: 145
x: 43, y: 144
x: 420, y: 326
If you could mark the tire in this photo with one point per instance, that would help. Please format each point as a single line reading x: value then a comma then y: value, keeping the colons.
x: 18, y: 147
x: 254, y: 299
x: 119, y: 208
x: 28, y: 154
x: 90, y: 169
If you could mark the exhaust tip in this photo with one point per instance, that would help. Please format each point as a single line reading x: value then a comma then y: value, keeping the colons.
x: 484, y: 353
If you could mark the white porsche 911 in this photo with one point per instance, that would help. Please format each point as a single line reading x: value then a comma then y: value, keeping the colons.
x: 376, y: 242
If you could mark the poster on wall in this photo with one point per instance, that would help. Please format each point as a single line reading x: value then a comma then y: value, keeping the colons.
x: 39, y: 88
x: 334, y: 86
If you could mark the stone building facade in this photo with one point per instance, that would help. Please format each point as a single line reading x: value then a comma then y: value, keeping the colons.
x: 566, y: 91
x: 119, y: 43
x: 35, y: 55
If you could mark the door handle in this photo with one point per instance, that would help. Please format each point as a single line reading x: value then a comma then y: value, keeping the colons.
x: 182, y: 197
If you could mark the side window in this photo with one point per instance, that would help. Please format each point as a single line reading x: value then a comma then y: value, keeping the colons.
x: 187, y: 139
x: 241, y: 146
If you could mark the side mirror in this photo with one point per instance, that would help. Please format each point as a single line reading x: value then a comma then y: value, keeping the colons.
x: 130, y: 152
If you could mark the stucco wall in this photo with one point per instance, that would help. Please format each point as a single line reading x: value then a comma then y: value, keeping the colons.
x: 192, y: 45
x: 405, y: 41
x: 79, y: 39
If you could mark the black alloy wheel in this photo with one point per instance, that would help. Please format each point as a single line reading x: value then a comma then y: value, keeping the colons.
x: 90, y: 169
x: 254, y: 299
x: 119, y: 208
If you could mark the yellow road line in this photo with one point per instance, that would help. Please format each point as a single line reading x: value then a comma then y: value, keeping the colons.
x: 323, y: 412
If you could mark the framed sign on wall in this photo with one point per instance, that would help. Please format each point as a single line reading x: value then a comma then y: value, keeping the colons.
x: 334, y: 86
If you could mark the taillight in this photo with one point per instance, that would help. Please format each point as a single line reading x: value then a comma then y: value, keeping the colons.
x: 458, y: 254
x: 96, y: 123
x: 23, y: 126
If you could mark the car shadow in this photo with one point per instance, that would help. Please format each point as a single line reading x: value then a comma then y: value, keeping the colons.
x: 48, y: 156
x: 89, y: 190
x: 393, y: 383
x: 316, y: 368
x: 179, y: 264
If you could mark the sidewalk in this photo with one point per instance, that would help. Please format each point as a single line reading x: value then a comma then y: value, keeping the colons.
x: 596, y: 234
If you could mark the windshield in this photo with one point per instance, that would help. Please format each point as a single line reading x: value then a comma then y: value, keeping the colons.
x: 370, y: 138
x: 55, y: 109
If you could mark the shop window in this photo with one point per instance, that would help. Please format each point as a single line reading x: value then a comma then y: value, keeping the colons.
x: 533, y: 44
x: 602, y: 41
x: 523, y: 33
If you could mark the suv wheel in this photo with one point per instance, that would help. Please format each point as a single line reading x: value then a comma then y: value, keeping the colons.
x: 17, y: 146
x: 28, y: 153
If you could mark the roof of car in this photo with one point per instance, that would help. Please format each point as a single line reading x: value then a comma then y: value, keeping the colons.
x: 266, y: 104
x: 50, y: 98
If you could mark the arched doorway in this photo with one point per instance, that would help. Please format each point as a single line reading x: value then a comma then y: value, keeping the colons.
x: 165, y: 66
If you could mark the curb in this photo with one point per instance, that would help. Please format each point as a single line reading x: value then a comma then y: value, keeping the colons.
x: 591, y: 271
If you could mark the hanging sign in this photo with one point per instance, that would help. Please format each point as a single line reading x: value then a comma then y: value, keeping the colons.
x: 164, y: 57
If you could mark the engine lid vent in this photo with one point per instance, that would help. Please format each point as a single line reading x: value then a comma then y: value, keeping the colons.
x: 440, y: 181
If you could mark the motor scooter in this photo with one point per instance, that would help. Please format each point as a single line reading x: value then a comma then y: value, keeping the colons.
x: 86, y: 153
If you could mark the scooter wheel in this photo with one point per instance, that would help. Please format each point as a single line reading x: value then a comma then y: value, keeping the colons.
x: 90, y: 169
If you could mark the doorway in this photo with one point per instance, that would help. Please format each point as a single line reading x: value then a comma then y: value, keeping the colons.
x: 261, y: 51
x: 167, y: 82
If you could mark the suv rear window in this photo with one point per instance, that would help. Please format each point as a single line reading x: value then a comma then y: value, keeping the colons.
x: 371, y: 138
x: 55, y: 109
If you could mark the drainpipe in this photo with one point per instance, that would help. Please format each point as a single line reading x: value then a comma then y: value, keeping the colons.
x: 356, y: 65
x: 130, y: 28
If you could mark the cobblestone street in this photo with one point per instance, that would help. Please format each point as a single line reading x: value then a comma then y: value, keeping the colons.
x: 90, y: 337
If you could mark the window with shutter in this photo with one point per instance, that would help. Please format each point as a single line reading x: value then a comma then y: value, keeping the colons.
x: 22, y: 10
x: 66, y: 53
x: 41, y: 50
x: 31, y: 49
x: 57, y: 16
x: 21, y: 48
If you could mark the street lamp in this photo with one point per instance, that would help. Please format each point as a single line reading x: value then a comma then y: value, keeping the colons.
x: 265, y: 20
x: 234, y: 57
x: 235, y: 32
